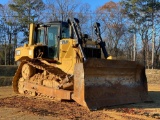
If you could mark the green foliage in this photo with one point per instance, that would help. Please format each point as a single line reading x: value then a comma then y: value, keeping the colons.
x: 140, y: 11
x: 145, y: 17
x: 27, y: 11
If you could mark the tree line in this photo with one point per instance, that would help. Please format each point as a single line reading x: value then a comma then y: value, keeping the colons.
x: 130, y: 28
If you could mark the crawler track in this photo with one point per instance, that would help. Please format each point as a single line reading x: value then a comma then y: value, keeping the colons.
x: 45, y: 77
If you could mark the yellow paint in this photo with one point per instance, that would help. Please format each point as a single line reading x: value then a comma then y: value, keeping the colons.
x: 31, y: 34
x: 69, y: 52
x: 68, y: 56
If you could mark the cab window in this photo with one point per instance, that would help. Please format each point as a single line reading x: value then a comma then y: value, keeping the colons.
x: 40, y: 36
x: 65, y: 31
x: 53, y: 34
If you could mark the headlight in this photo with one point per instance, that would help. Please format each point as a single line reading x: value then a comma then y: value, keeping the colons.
x: 18, y: 52
x: 30, y: 52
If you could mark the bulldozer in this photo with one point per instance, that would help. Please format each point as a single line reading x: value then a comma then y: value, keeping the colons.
x: 60, y: 62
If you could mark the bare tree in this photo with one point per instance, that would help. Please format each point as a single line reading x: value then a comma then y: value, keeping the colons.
x: 10, y: 30
x: 61, y: 9
x: 157, y: 53
x: 113, y: 25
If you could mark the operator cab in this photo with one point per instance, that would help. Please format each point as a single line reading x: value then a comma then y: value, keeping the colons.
x: 50, y: 33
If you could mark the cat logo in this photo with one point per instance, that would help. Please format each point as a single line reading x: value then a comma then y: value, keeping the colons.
x: 64, y: 41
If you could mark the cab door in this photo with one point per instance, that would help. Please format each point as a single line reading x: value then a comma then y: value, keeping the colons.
x: 53, y: 38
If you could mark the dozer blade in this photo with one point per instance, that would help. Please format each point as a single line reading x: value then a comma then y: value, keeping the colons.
x: 99, y: 83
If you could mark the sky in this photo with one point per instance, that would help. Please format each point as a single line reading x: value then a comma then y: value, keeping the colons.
x: 94, y: 3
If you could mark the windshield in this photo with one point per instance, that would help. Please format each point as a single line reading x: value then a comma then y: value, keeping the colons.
x: 65, y: 31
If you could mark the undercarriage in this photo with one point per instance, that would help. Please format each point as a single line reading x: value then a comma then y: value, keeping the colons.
x: 40, y: 79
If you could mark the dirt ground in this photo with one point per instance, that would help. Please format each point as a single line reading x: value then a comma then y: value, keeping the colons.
x: 18, y: 107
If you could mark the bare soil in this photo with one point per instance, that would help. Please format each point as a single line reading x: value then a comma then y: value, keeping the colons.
x: 18, y: 107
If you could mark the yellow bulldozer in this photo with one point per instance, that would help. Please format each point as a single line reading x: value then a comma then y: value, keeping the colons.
x: 61, y: 62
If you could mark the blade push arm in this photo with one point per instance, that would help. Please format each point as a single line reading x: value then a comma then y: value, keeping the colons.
x: 99, y: 39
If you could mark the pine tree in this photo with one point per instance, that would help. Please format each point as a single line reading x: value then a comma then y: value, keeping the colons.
x: 28, y: 11
x: 144, y: 14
